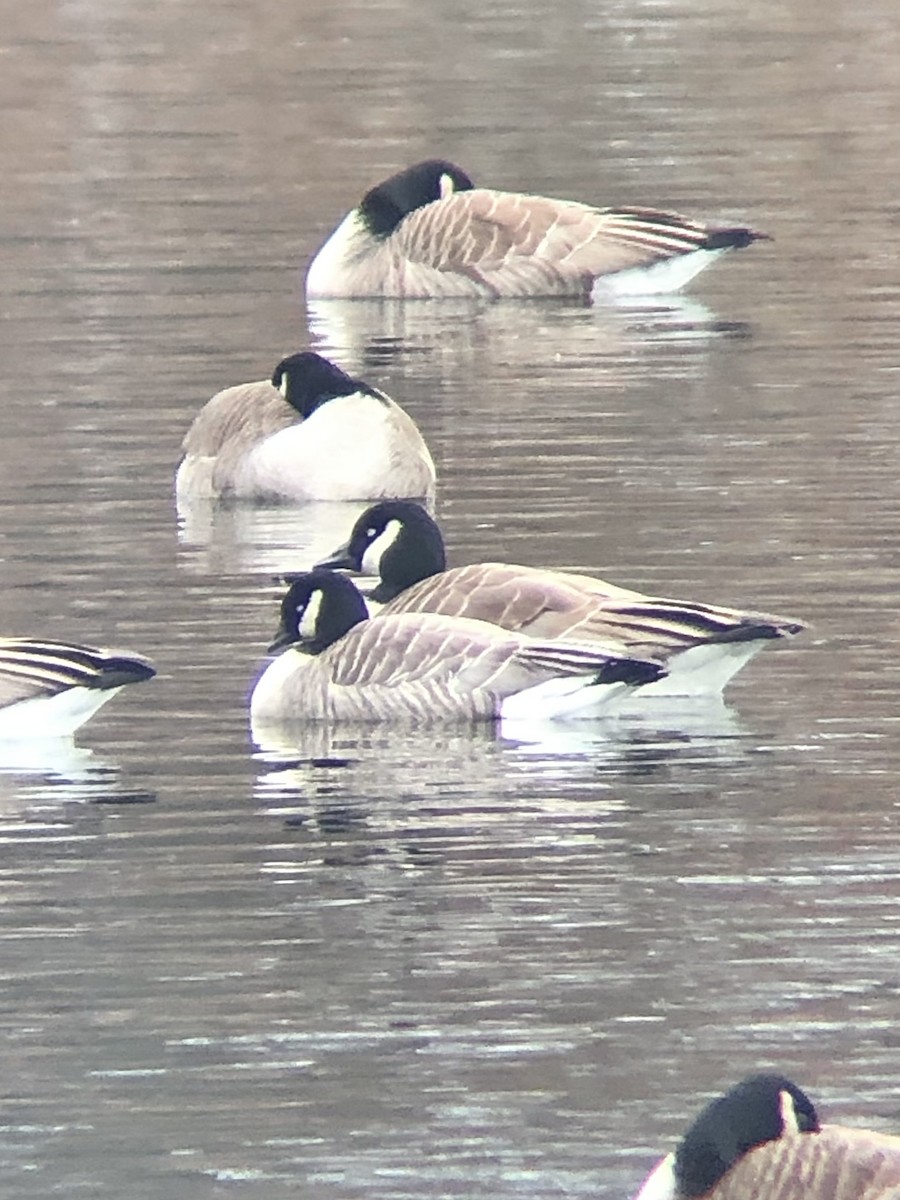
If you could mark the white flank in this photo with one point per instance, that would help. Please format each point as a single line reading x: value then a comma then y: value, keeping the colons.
x: 703, y: 670
x: 569, y: 697
x: 52, y: 716
x: 326, y: 271
x: 194, y: 479
x: 660, y: 1184
x: 669, y: 275
x: 346, y: 450
x: 266, y: 699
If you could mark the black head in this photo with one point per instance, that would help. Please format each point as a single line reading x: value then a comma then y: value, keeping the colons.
x: 307, y: 380
x: 385, y: 206
x: 397, y: 540
x: 318, y: 608
x: 758, y: 1110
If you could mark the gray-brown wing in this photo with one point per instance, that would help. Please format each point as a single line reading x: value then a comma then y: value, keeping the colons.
x: 835, y: 1164
x: 552, y: 605
x: 237, y: 418
x: 508, y: 240
x: 408, y: 648
x: 31, y: 668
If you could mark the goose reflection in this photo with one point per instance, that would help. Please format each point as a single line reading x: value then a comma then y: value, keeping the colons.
x: 491, y: 769
x: 53, y: 772
x: 217, y: 538
x: 370, y: 335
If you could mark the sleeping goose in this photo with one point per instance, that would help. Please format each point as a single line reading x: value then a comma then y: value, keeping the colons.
x: 48, y: 689
x: 763, y: 1141
x: 313, y: 433
x: 423, y: 667
x: 428, y: 232
x: 702, y: 645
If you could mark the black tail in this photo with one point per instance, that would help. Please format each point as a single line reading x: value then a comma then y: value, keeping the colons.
x: 734, y: 239
x: 636, y: 671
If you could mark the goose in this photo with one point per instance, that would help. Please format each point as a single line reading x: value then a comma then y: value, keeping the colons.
x: 429, y: 232
x: 763, y: 1139
x: 49, y: 689
x: 313, y: 433
x: 702, y: 645
x: 423, y: 667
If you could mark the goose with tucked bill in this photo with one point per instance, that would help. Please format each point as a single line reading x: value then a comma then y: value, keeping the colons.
x: 763, y: 1140
x: 312, y: 433
x: 428, y: 232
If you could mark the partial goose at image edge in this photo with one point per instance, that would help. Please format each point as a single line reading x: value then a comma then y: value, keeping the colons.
x: 49, y: 689
x: 763, y: 1140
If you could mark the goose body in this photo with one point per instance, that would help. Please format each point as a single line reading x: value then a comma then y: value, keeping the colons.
x: 312, y: 433
x: 49, y: 689
x: 763, y: 1141
x: 702, y: 645
x: 424, y: 667
x: 429, y: 233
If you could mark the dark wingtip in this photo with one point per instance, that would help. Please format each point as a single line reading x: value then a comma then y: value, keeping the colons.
x: 754, y: 631
x: 636, y: 671
x: 120, y: 669
x: 734, y: 239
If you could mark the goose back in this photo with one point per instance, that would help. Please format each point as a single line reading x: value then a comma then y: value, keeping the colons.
x: 227, y: 429
x: 837, y: 1163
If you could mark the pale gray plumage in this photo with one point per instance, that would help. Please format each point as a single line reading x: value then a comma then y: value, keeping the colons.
x: 50, y: 688
x: 555, y: 604
x: 428, y: 232
x: 763, y: 1140
x: 421, y: 666
x: 313, y: 433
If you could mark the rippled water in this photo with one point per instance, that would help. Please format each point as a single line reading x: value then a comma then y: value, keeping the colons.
x: 393, y: 964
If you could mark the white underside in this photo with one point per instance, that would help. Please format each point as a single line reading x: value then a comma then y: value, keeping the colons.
x: 569, y: 698
x: 266, y: 698
x: 670, y: 275
x: 703, y: 670
x: 329, y: 262
x: 660, y: 1183
x: 351, y: 448
x: 52, y: 716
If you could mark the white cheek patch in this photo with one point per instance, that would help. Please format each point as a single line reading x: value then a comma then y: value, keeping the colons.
x: 310, y: 616
x: 371, y: 560
x: 283, y: 386
x: 789, y: 1121
x: 447, y: 186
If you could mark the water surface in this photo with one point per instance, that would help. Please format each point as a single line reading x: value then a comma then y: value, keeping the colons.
x: 381, y: 964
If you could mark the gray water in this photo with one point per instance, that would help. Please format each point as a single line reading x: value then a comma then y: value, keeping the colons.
x: 383, y: 964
